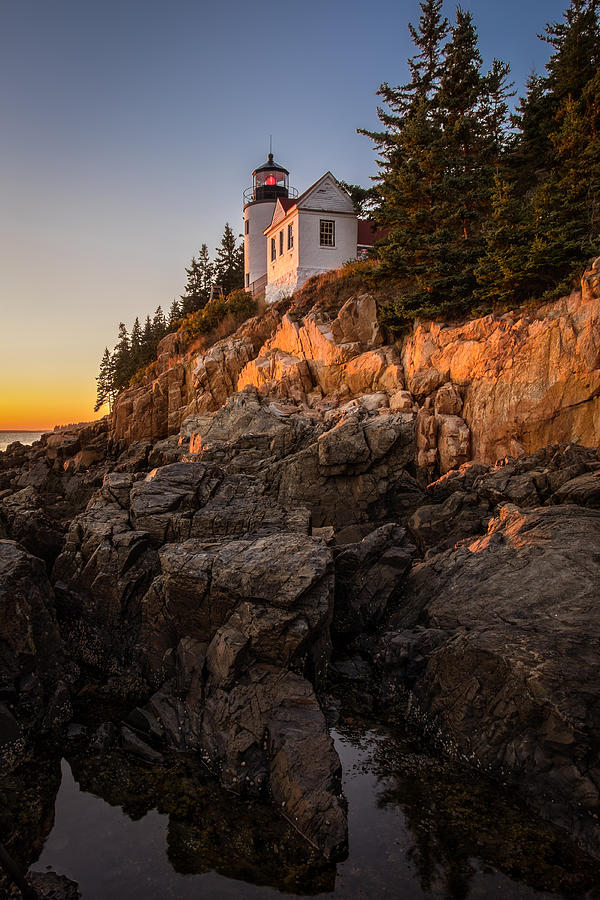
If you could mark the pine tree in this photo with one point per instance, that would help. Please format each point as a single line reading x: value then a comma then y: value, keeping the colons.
x: 407, y: 146
x: 467, y: 154
x: 174, y: 313
x: 443, y: 137
x: 229, y: 262
x: 136, y: 346
x: 147, y: 342
x: 122, y: 359
x: 555, y: 171
x: 159, y: 326
x: 576, y: 44
x: 363, y: 199
x: 199, y: 280
x: 105, y: 382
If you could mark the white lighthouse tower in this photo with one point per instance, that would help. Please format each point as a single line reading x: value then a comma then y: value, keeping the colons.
x: 269, y: 182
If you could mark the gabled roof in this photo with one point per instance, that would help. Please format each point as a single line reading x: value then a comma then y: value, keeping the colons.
x: 282, y: 207
x: 328, y: 185
x: 326, y: 194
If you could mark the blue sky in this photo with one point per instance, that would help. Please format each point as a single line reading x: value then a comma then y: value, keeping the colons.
x: 130, y: 129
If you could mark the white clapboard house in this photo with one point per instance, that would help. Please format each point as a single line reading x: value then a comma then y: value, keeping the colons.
x: 288, y: 238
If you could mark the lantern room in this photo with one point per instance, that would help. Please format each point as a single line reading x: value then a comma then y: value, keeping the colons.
x: 270, y: 181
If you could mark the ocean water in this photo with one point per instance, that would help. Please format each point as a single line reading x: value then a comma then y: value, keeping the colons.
x: 26, y: 437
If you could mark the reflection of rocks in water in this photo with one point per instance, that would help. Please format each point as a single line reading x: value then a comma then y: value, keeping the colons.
x: 50, y: 886
x: 456, y: 816
x: 27, y: 797
x: 209, y: 828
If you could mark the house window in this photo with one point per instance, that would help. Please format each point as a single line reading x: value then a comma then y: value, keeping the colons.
x: 247, y: 279
x: 290, y: 236
x: 247, y: 226
x: 281, y: 242
x: 327, y: 233
x: 273, y: 250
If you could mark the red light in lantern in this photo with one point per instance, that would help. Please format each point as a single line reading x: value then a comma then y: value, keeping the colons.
x: 270, y: 180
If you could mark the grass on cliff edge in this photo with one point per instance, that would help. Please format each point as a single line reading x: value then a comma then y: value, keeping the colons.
x: 328, y: 292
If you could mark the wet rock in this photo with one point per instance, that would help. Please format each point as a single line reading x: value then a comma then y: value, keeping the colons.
x: 502, y: 636
x: 29, y: 637
x: 440, y: 526
x: 270, y: 731
x: 368, y: 575
x: 50, y: 886
x: 131, y: 742
x: 289, y: 578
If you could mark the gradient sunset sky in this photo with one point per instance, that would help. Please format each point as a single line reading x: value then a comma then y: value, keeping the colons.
x: 129, y: 130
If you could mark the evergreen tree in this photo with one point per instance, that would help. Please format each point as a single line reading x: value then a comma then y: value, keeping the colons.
x: 550, y: 199
x: 147, y: 342
x: 174, y: 313
x: 122, y: 359
x: 136, y: 346
x: 576, y: 44
x: 159, y: 326
x: 443, y: 135
x: 495, y: 111
x: 365, y: 200
x: 408, y: 158
x: 105, y: 391
x: 229, y: 262
x: 528, y: 158
x: 199, y: 280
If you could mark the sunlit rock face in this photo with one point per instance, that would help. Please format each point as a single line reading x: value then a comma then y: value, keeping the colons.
x: 492, y: 387
x: 527, y: 379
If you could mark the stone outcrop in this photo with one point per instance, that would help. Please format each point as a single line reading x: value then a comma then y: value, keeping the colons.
x: 186, y: 381
x: 30, y: 651
x: 499, y: 639
x: 527, y: 379
x: 199, y: 582
x: 502, y: 385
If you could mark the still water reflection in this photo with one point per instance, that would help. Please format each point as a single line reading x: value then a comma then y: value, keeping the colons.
x: 417, y: 828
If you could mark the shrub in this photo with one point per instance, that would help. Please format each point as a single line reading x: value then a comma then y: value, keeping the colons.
x: 233, y: 310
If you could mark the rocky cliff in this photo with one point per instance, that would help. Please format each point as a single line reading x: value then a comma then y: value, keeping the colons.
x: 502, y: 385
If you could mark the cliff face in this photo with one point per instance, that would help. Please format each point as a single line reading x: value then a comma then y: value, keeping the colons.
x: 492, y: 387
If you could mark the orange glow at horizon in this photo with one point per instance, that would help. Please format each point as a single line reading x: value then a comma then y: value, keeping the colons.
x: 27, y: 406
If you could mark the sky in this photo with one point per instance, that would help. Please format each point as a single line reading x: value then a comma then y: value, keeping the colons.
x: 129, y: 130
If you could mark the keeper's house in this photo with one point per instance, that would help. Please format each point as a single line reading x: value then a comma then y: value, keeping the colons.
x: 289, y: 238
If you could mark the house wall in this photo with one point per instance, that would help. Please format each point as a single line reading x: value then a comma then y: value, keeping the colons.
x: 290, y: 270
x: 255, y: 243
x: 312, y: 255
x: 281, y: 267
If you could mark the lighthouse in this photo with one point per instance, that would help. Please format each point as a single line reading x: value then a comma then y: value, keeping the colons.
x: 270, y: 182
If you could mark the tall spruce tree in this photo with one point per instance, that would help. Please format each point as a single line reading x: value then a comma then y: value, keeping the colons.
x: 229, y: 262
x: 444, y: 133
x: 174, y: 313
x: 199, y: 280
x: 135, y: 346
x: 537, y: 247
x: 159, y: 326
x: 122, y: 359
x: 148, y: 348
x: 407, y: 148
x: 105, y: 391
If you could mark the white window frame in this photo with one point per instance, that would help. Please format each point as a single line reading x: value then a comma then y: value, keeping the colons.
x: 290, y: 240
x: 326, y: 234
x: 273, y: 250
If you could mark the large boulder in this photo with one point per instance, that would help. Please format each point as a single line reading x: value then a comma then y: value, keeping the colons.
x: 499, y: 640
